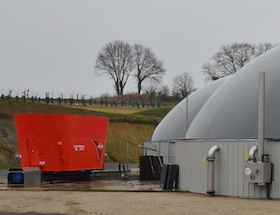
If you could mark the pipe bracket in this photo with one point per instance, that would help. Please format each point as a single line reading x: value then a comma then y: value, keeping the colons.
x: 210, y: 158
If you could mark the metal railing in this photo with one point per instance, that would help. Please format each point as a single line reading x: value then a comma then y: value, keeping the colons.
x: 159, y: 148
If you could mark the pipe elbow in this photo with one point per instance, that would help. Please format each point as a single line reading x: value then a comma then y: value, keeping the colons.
x: 252, y: 153
x: 212, y: 151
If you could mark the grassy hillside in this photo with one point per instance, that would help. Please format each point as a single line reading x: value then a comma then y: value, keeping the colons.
x: 121, y: 135
x: 150, y: 116
x: 127, y: 127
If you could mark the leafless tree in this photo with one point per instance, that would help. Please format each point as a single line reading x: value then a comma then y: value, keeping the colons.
x: 116, y: 61
x: 263, y: 47
x: 183, y: 85
x: 151, y: 87
x: 147, y: 66
x: 26, y: 93
x: 164, y: 91
x: 10, y: 93
x: 230, y: 58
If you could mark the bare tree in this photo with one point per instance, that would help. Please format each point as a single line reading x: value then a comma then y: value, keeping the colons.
x: 263, y: 47
x: 147, y: 66
x: 183, y: 85
x: 116, y: 61
x: 164, y: 91
x: 230, y: 58
x: 151, y: 87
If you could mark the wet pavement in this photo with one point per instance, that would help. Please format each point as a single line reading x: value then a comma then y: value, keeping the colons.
x: 109, y: 180
x: 104, y: 185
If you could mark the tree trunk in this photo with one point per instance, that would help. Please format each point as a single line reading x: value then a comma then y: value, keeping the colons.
x: 139, y: 86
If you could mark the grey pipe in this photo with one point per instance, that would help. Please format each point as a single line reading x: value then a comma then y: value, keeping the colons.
x: 187, y: 113
x: 210, y: 165
x: 261, y: 109
x: 252, y: 153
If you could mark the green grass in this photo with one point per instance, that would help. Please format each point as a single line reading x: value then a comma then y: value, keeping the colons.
x: 149, y: 116
x: 113, y: 110
x: 139, y: 116
x: 122, y: 134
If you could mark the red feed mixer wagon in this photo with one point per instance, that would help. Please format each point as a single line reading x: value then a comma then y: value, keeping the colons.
x: 61, y: 143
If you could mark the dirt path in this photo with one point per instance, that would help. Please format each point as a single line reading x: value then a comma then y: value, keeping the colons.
x: 127, y: 203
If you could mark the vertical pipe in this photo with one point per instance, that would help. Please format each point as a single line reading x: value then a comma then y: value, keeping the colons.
x: 210, y: 184
x: 210, y: 165
x: 127, y: 155
x: 168, y: 148
x: 261, y: 110
x: 187, y: 111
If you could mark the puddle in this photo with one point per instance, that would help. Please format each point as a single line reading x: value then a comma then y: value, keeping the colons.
x: 134, y: 185
x: 95, y: 185
x: 106, y: 185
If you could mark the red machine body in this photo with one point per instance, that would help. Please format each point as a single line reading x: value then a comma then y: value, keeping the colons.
x: 61, y: 142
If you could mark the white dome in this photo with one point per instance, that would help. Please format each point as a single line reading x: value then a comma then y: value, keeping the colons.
x: 228, y: 108
x: 174, y: 124
x: 232, y: 111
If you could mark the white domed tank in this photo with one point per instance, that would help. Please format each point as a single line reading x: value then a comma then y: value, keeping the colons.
x: 174, y: 124
x: 232, y: 110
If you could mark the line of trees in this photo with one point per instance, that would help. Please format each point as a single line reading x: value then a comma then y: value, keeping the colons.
x: 155, y: 95
x: 129, y: 100
x: 119, y: 61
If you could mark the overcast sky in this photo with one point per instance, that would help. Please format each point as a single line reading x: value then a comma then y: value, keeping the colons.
x: 51, y: 45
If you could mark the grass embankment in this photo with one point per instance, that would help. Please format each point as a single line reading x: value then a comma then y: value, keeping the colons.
x: 127, y: 127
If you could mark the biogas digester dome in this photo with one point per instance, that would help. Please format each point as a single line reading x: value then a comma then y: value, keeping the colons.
x: 228, y: 108
x: 174, y: 124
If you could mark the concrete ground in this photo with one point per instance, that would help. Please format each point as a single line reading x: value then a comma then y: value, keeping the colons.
x: 110, y: 197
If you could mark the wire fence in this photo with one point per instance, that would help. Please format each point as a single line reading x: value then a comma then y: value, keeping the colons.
x: 39, y: 94
x: 83, y: 100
